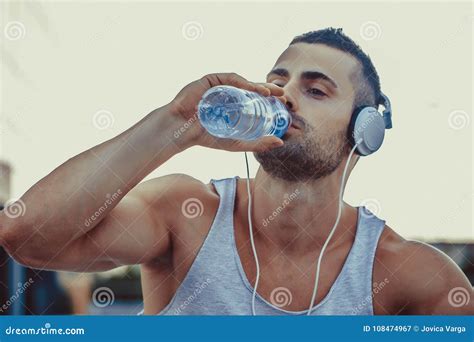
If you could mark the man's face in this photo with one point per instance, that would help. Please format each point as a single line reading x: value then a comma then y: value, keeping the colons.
x: 317, y: 83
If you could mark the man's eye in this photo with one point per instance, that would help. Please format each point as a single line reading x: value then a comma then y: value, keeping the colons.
x: 279, y: 85
x: 317, y: 92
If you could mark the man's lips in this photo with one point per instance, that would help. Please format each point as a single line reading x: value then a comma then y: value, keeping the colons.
x: 296, y: 122
x: 294, y: 125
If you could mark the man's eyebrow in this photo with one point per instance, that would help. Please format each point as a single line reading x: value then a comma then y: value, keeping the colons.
x: 307, y: 75
x: 315, y: 75
x: 279, y: 72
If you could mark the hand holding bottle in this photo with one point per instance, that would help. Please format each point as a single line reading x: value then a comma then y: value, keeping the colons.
x: 185, y: 106
x: 234, y: 113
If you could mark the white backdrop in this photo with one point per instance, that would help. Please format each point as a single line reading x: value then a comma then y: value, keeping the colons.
x: 63, y: 62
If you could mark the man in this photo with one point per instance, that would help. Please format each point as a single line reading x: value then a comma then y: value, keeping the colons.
x: 192, y: 239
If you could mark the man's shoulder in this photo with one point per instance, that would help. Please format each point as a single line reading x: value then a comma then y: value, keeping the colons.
x: 395, y: 249
x: 180, y: 197
x: 419, y: 274
x: 401, y: 255
x: 176, y: 186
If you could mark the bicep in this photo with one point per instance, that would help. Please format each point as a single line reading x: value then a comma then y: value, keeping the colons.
x: 133, y: 232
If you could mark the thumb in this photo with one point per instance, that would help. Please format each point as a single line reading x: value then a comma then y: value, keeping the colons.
x: 263, y: 144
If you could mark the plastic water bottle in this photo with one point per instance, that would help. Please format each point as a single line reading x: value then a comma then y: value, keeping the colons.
x: 229, y: 112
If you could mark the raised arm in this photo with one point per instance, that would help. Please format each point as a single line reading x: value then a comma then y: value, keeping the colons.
x: 89, y: 214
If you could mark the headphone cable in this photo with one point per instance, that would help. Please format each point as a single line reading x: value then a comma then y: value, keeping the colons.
x: 252, y: 242
x: 339, y: 211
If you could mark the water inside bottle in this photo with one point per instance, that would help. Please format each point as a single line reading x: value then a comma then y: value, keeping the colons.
x: 242, y: 115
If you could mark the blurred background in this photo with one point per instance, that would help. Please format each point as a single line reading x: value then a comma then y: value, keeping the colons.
x: 77, y: 73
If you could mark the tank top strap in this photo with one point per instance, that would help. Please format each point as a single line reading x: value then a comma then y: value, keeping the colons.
x: 226, y: 189
x: 355, y: 287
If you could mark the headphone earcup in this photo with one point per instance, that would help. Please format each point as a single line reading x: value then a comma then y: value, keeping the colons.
x: 368, y: 127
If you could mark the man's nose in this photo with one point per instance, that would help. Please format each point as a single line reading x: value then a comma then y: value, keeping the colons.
x: 290, y: 96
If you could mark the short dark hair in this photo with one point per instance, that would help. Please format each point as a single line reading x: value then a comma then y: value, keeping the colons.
x: 368, y: 94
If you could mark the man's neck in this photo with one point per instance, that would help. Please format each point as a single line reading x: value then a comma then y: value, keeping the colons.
x: 297, y: 216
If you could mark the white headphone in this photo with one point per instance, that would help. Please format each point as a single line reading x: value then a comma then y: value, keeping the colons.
x: 368, y: 124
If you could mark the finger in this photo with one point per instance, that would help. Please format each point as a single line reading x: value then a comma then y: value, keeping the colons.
x: 236, y: 80
x: 270, y: 141
x: 274, y: 89
x: 263, y: 144
x: 262, y: 90
x: 283, y: 99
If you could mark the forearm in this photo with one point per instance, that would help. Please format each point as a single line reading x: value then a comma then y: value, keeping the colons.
x: 74, y: 197
x: 78, y: 195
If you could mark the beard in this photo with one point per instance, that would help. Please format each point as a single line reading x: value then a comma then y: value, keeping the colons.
x: 310, y: 155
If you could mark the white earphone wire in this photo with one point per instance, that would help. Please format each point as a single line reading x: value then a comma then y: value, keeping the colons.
x: 339, y: 211
x: 252, y: 242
